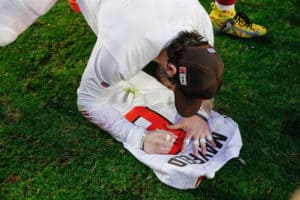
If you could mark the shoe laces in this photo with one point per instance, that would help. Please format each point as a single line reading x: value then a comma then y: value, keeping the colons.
x: 243, y: 18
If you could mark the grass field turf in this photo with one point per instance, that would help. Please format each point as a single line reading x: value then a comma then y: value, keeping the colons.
x: 48, y: 151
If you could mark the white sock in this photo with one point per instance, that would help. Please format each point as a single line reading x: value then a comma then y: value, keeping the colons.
x: 224, y: 7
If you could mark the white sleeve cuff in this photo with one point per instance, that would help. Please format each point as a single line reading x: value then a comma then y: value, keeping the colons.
x: 136, y: 137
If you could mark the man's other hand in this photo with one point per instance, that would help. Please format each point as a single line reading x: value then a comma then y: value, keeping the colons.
x: 197, y: 132
x: 159, y: 141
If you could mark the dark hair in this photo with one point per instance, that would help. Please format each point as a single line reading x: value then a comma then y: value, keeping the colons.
x: 184, y: 38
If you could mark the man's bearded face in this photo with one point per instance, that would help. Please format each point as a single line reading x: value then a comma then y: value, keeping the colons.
x: 163, y: 77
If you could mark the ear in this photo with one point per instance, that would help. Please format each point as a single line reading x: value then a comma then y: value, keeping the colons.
x: 171, y: 69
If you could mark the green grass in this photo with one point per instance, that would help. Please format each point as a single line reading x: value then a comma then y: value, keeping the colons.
x: 48, y: 151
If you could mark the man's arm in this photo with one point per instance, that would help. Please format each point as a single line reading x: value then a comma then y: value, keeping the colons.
x: 103, y: 104
x: 110, y: 120
x: 96, y: 96
x: 102, y: 113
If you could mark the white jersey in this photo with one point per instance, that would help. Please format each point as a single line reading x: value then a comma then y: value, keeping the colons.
x: 185, y: 171
x: 182, y: 171
x: 130, y: 33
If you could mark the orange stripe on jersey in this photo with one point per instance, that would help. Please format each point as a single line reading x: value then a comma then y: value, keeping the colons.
x: 73, y: 4
x: 156, y: 121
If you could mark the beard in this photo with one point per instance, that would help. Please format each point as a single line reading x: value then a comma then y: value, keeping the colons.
x: 163, y: 77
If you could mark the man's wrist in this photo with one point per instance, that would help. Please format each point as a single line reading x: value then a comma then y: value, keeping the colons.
x: 203, y: 115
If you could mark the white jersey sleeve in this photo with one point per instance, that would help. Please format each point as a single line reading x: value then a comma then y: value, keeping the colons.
x: 96, y: 97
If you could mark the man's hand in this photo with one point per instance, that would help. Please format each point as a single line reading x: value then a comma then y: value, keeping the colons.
x: 159, y: 141
x: 196, y: 130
